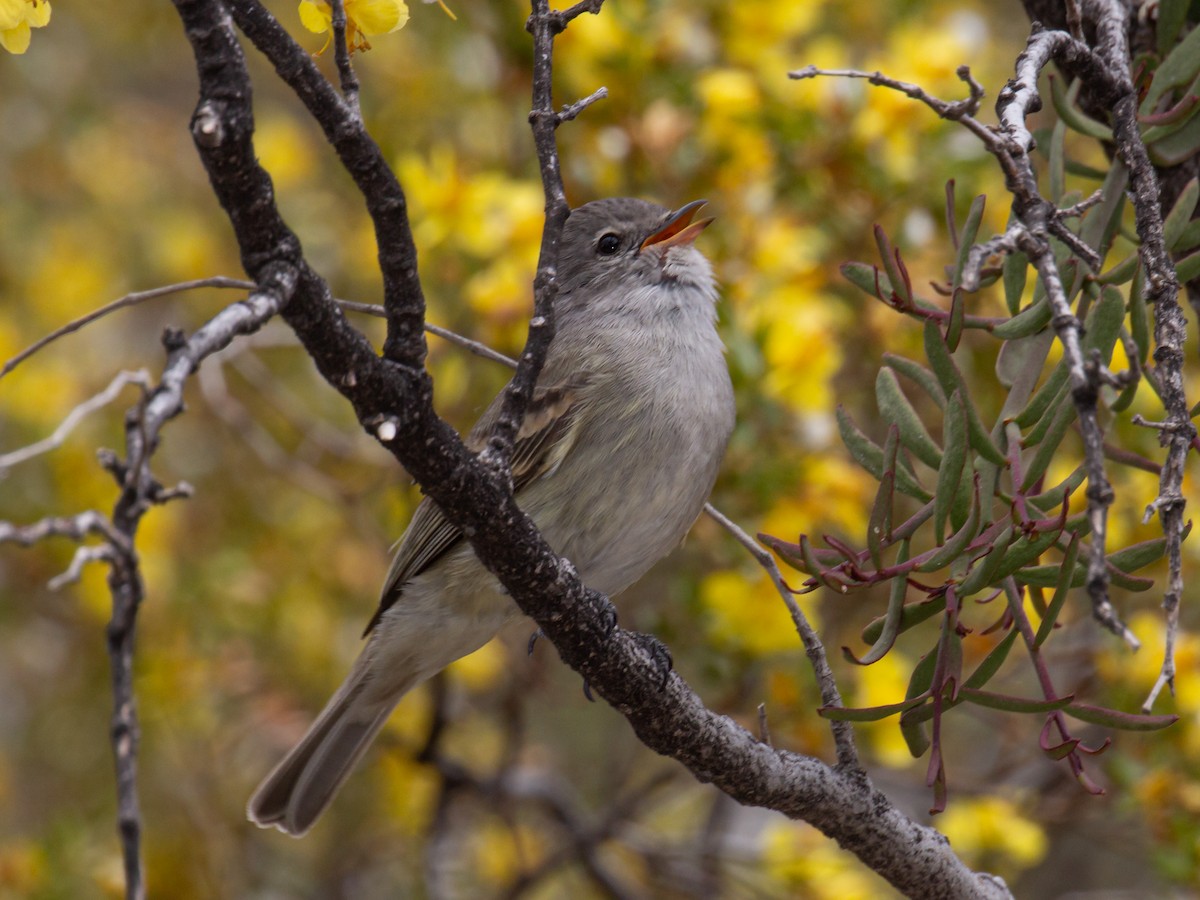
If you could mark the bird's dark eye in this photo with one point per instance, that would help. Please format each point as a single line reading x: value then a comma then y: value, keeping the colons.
x: 608, y: 244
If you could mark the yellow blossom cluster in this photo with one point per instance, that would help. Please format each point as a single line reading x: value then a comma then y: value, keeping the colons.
x: 17, y: 17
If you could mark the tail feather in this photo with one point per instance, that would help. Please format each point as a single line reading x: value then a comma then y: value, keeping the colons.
x: 297, y: 790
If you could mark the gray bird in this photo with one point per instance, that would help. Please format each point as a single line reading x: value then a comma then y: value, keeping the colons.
x: 615, y: 459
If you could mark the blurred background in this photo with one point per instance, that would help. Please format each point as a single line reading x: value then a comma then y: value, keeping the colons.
x: 501, y: 779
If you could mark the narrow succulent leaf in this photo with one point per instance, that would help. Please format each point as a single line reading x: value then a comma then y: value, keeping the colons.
x: 888, y: 256
x: 991, y: 663
x: 1173, y: 149
x: 1016, y: 270
x: 1188, y: 268
x: 1074, y: 117
x: 1189, y: 238
x: 1136, y: 556
x: 966, y: 240
x: 868, y: 713
x: 982, y: 575
x: 1052, y: 390
x: 1121, y: 272
x: 915, y: 737
x: 1104, y: 324
x: 793, y: 554
x: 869, y: 455
x: 1013, y: 704
x: 954, y: 456
x: 912, y: 614
x: 1025, y: 550
x: 1074, y: 167
x: 879, y: 526
x: 1057, y: 157
x: 1171, y: 16
x: 1029, y: 321
x: 895, y: 407
x: 953, y: 548
x: 1061, y: 591
x: 1179, y: 67
x: 1054, y: 497
x: 867, y: 278
x: 1102, y: 221
x: 1139, y: 316
x: 954, y: 327
x: 951, y: 380
x: 1048, y: 447
x: 918, y: 374
x: 865, y: 451
x: 1123, y: 721
x: 892, y: 619
x: 1180, y: 214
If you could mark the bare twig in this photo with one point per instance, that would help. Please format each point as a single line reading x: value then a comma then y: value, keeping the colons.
x: 141, y: 378
x: 133, y: 299
x: 341, y: 56
x: 1170, y: 327
x: 843, y: 732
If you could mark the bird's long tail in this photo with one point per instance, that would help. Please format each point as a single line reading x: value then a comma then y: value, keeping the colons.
x: 306, y: 780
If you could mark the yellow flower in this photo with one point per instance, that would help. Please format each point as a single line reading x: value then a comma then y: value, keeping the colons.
x: 17, y: 17
x: 363, y: 18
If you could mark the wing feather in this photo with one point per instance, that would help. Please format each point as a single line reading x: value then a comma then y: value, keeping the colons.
x: 547, y: 433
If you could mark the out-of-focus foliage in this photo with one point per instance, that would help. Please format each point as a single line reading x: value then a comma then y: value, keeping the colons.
x: 260, y: 585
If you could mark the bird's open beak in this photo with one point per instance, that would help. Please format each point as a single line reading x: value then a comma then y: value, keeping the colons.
x: 679, y: 227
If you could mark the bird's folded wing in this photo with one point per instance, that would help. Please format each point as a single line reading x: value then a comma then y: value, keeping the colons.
x: 549, y: 429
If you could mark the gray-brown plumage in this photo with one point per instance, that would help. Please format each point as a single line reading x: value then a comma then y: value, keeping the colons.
x: 614, y: 461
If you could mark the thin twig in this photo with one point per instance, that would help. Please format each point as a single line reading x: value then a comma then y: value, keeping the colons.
x: 133, y: 299
x: 341, y: 56
x: 141, y: 378
x: 843, y: 732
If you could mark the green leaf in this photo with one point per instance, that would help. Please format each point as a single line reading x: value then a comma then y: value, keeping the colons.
x: 1013, y: 704
x: 1121, y: 272
x: 892, y: 619
x: 1052, y: 499
x: 1177, y: 68
x: 869, y: 455
x: 1074, y: 117
x: 1188, y: 268
x: 1171, y: 16
x: 1029, y: 321
x: 1060, y: 420
x: 895, y: 408
x: 983, y: 574
x: 1138, y: 556
x: 1139, y: 316
x: 1189, y: 239
x: 1104, y: 324
x: 1103, y: 220
x: 1024, y: 551
x: 952, y: 380
x: 888, y: 256
x: 1061, y: 590
x: 1015, y: 268
x: 917, y: 373
x: 1181, y: 213
x: 868, y: 713
x: 954, y: 456
x: 954, y: 327
x: 1111, y: 718
x: 879, y: 526
x: 966, y: 240
x: 991, y: 663
x: 1057, y: 157
x: 912, y: 614
x: 866, y: 278
x: 1175, y: 148
x: 1049, y: 394
x: 958, y: 542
